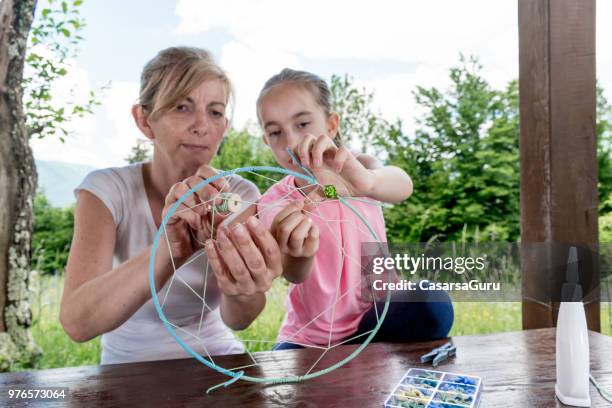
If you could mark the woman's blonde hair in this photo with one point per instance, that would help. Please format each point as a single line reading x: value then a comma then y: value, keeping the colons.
x: 308, y: 81
x: 173, y: 73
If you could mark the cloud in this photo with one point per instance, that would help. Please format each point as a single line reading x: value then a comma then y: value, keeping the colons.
x: 604, y: 51
x: 322, y: 29
x: 249, y: 67
x: 99, y: 140
x: 431, y: 35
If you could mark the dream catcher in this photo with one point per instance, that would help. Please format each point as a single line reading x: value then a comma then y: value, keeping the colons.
x: 231, y: 203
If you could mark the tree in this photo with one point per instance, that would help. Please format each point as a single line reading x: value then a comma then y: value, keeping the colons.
x: 53, y: 40
x: 604, y: 151
x: 17, y: 186
x: 240, y: 149
x: 140, y: 152
x: 53, y: 230
x: 358, y: 122
x: 463, y: 160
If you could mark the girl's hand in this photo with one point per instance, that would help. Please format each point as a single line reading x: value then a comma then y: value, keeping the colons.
x: 335, y: 165
x: 294, y: 231
x: 193, y: 222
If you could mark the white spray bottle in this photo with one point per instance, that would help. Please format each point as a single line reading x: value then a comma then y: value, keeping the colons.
x: 572, y: 387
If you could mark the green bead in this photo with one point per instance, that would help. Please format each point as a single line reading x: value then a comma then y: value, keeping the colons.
x: 330, y: 191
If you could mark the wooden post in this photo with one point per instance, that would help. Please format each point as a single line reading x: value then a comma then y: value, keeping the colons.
x: 558, y: 149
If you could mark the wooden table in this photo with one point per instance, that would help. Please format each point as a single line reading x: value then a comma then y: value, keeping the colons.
x: 518, y: 370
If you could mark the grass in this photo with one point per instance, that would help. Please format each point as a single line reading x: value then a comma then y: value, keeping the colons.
x: 60, y: 351
x: 268, y: 322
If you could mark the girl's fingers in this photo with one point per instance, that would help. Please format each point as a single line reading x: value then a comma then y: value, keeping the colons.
x: 295, y: 206
x: 342, y: 155
x: 322, y: 144
x: 304, y: 148
x: 299, y: 234
x: 286, y: 227
x: 311, y: 243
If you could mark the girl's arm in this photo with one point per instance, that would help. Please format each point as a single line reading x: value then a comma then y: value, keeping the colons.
x: 297, y: 269
x: 357, y: 175
x: 389, y: 184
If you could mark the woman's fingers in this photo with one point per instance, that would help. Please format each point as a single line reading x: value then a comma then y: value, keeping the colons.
x: 235, y: 264
x: 252, y: 257
x: 224, y: 280
x: 183, y: 211
x: 267, y: 246
x: 221, y: 184
x: 199, y: 205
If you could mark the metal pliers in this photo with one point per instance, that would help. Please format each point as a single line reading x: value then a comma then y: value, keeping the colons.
x: 439, y: 354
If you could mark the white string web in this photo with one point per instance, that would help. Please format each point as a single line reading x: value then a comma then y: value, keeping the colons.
x: 199, y: 291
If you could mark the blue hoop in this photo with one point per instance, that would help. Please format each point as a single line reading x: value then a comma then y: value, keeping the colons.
x: 240, y: 375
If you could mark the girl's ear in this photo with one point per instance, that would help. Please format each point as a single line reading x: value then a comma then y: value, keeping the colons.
x: 141, y: 120
x: 333, y: 124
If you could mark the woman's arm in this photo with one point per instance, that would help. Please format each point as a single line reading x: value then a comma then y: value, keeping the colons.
x: 97, y: 298
x: 238, y: 312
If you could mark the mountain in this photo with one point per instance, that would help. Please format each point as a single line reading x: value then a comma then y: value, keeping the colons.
x: 58, y: 179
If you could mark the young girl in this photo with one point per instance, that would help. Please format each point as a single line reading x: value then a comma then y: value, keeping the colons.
x: 321, y: 244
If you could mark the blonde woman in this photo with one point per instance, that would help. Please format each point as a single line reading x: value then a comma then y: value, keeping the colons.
x: 182, y: 109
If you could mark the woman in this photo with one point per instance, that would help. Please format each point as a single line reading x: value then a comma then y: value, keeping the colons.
x: 182, y: 110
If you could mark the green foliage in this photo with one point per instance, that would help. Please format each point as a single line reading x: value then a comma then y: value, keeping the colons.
x: 266, y: 326
x: 52, y: 235
x: 358, y: 122
x: 141, y: 152
x: 604, y: 152
x: 241, y: 149
x: 605, y: 223
x: 58, y: 350
x: 54, y: 38
x: 463, y: 162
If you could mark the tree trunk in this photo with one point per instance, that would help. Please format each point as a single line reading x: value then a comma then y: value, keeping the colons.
x: 17, y: 188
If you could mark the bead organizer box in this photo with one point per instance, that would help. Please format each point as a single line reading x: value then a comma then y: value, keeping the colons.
x: 421, y: 388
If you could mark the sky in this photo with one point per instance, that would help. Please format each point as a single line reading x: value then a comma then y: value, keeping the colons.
x: 388, y: 46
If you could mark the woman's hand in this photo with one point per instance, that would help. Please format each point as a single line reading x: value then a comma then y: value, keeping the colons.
x: 245, y: 259
x: 335, y: 165
x: 194, y: 221
x: 294, y: 231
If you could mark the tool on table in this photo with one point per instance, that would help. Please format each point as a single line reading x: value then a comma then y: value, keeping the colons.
x: 439, y: 354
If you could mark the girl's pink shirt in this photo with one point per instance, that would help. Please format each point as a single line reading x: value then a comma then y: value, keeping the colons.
x: 310, y: 315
